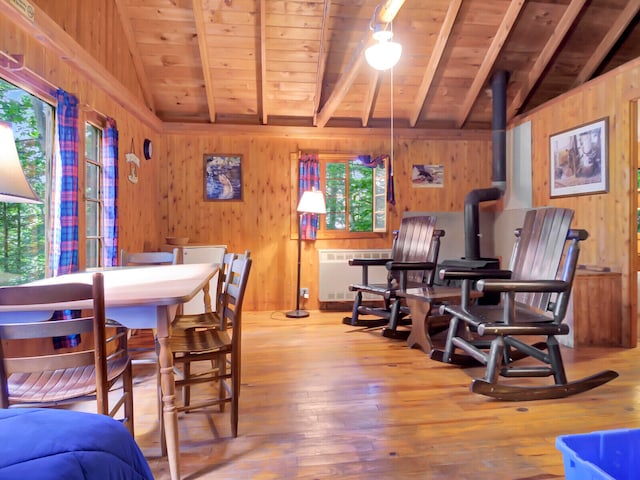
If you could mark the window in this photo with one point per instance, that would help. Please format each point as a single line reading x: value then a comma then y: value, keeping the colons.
x: 93, y: 195
x: 355, y: 195
x: 23, y: 250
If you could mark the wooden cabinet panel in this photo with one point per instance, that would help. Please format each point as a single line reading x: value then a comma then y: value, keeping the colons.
x: 595, y: 311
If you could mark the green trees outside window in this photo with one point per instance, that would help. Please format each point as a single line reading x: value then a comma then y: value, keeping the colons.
x: 23, y: 249
x: 355, y: 195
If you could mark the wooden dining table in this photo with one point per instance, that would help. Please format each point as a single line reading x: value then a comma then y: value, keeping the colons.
x: 137, y: 297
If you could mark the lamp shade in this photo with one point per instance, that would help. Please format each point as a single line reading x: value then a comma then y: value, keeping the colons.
x: 384, y: 54
x: 312, y: 201
x: 14, y: 187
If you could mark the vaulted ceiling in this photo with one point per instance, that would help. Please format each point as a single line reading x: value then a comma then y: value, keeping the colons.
x: 295, y: 62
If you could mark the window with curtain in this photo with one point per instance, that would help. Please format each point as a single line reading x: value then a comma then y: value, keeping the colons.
x: 25, y: 252
x: 355, y: 188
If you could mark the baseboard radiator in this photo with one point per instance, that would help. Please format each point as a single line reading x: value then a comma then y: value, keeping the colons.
x: 336, y: 274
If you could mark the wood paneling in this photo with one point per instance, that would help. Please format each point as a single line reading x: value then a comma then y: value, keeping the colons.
x: 610, y: 218
x: 261, y: 222
x: 138, y: 210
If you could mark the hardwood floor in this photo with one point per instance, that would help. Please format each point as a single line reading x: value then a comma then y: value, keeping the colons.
x: 323, y: 400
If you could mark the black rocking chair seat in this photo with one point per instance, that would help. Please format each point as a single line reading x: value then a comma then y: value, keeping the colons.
x: 534, y: 303
x: 413, y: 263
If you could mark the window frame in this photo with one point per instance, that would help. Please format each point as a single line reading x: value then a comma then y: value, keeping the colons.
x: 322, y: 233
x: 96, y: 120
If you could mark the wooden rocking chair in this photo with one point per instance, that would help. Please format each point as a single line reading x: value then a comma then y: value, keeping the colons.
x: 412, y: 264
x: 534, y: 303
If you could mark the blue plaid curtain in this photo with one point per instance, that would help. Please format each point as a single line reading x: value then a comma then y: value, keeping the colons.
x: 110, y: 194
x: 63, y: 246
x: 309, y: 177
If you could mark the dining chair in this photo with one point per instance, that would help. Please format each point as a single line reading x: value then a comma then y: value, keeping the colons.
x: 40, y: 377
x: 220, y: 346
x: 211, y: 318
x: 140, y: 259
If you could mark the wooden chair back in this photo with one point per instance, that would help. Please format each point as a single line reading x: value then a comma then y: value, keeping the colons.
x: 51, y: 378
x: 539, y: 250
x: 237, y: 280
x: 414, y: 243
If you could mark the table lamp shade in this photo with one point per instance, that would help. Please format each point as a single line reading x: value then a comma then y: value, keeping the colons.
x: 14, y: 187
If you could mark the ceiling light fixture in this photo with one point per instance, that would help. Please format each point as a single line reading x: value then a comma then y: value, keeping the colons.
x: 384, y: 54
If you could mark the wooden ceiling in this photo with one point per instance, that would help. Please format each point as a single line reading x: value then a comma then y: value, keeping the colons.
x: 301, y: 62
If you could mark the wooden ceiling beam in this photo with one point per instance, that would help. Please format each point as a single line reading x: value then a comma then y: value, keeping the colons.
x: 323, y: 55
x: 372, y: 94
x: 385, y: 15
x: 143, y: 79
x: 607, y: 43
x: 507, y: 24
x: 561, y: 30
x: 201, y: 31
x: 48, y: 33
x: 434, y: 59
x: 262, y: 100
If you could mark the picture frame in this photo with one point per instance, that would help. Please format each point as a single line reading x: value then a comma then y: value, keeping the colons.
x: 427, y: 176
x: 579, y: 161
x: 222, y: 177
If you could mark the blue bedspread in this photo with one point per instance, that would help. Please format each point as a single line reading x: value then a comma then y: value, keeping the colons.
x: 52, y: 444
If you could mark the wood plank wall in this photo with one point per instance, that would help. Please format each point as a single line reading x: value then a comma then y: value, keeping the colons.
x: 261, y: 222
x: 168, y: 198
x: 610, y: 217
x: 137, y: 203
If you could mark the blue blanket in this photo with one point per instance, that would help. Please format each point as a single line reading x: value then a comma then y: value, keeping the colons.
x: 52, y: 444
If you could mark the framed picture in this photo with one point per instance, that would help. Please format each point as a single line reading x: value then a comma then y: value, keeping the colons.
x: 222, y: 177
x: 579, y: 160
x: 427, y: 176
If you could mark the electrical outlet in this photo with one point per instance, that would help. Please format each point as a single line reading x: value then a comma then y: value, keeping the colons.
x: 304, y: 292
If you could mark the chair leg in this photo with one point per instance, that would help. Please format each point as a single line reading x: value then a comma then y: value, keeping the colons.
x: 235, y: 394
x: 222, y: 391
x: 555, y: 359
x: 127, y: 386
x: 449, y: 348
x: 353, y: 320
x: 495, y: 357
x: 186, y: 389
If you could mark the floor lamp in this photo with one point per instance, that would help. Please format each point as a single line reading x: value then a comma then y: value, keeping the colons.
x: 14, y: 187
x: 312, y: 201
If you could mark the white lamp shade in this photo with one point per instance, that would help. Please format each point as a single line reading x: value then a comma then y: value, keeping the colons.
x: 384, y: 54
x: 14, y: 187
x: 312, y: 201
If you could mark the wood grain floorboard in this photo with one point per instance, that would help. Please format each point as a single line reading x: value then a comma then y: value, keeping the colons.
x: 321, y: 399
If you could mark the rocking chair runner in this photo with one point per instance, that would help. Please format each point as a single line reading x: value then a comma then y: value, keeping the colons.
x: 414, y: 257
x: 534, y: 303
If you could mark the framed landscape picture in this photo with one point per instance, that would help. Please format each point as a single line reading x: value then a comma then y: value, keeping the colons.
x: 222, y: 177
x: 579, y: 160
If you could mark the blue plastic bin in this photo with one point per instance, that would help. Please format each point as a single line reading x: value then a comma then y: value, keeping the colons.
x: 609, y: 454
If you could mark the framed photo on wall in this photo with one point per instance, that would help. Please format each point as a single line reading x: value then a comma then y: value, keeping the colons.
x: 222, y: 177
x: 579, y: 160
x: 427, y: 176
